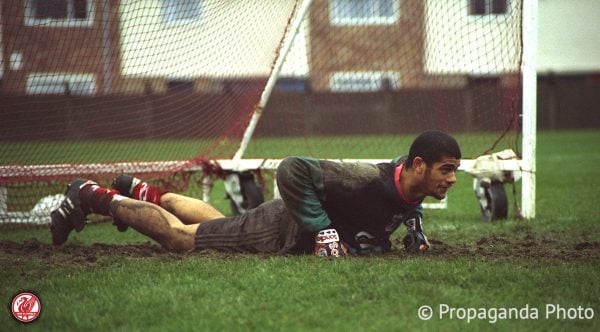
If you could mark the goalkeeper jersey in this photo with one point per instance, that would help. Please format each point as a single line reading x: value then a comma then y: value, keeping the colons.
x: 362, y: 201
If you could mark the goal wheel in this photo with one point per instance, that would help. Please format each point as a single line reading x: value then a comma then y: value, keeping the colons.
x: 496, y: 202
x: 252, y: 194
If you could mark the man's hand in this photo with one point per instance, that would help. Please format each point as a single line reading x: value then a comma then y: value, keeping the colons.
x: 415, y: 240
x: 327, y: 243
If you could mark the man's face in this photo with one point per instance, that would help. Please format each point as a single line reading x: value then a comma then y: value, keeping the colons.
x: 439, y: 177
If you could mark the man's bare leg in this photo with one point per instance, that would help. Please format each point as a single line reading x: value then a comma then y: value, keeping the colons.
x: 189, y: 210
x: 155, y: 222
x: 84, y: 197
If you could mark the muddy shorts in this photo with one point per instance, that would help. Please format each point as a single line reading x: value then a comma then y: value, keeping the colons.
x: 269, y: 228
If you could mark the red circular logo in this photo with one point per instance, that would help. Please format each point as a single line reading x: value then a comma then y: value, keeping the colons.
x: 26, y: 307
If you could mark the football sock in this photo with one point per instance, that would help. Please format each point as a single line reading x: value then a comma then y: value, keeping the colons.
x: 147, y: 193
x: 96, y: 199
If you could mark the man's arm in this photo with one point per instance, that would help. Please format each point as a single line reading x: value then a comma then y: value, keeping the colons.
x: 300, y: 183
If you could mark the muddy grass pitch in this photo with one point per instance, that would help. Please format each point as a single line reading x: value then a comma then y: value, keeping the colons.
x: 492, y: 247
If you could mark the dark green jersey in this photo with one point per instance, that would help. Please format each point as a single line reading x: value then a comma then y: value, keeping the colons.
x: 362, y: 201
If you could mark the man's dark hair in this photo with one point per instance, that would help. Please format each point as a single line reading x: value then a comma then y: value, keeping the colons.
x: 432, y: 146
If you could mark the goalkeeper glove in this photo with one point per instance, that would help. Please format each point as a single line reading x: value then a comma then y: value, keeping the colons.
x: 415, y: 240
x: 327, y: 243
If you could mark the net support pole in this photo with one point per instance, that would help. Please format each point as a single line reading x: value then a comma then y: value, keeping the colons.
x: 287, y: 45
x: 106, y: 47
x: 529, y: 73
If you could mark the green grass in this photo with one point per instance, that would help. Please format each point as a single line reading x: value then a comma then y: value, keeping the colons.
x: 99, y: 151
x: 298, y: 293
x: 554, y: 259
x: 57, y: 152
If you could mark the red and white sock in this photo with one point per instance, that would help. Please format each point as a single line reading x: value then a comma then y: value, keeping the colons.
x: 147, y: 193
x: 96, y: 199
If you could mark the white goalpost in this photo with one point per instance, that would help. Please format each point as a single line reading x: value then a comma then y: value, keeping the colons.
x: 530, y: 9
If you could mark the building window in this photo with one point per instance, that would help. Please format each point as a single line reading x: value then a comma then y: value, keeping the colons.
x: 488, y: 7
x: 178, y: 12
x: 61, y: 84
x: 290, y: 84
x: 363, y: 12
x: 180, y: 86
x: 363, y: 81
x: 59, y: 13
x: 16, y: 61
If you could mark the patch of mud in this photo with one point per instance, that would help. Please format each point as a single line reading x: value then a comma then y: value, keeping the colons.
x: 587, y: 245
x: 73, y: 254
x: 485, y: 248
x: 500, y: 247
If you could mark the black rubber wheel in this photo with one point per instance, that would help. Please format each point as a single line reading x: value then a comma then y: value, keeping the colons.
x: 497, y: 202
x: 251, y: 191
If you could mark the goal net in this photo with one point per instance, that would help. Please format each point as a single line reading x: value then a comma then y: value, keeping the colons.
x: 175, y: 91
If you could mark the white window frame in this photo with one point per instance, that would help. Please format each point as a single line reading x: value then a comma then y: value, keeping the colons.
x: 374, y: 18
x: 362, y: 81
x: 69, y: 21
x: 170, y: 10
x: 55, y: 84
x: 488, y: 9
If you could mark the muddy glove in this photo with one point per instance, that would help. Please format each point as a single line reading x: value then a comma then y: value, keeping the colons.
x: 415, y: 240
x: 327, y: 243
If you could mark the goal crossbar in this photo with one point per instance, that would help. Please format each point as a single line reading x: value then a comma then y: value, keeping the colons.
x: 16, y: 173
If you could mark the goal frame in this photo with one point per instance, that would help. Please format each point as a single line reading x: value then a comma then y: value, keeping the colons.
x: 526, y: 165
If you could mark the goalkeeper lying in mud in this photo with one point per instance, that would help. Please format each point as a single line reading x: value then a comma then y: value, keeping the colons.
x: 327, y: 208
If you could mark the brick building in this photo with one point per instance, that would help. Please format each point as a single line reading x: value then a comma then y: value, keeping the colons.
x: 60, y: 47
